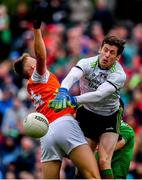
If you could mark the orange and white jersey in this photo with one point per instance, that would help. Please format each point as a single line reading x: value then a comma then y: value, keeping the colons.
x: 41, y: 90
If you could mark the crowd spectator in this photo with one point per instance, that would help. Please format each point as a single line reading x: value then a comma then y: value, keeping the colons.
x: 5, y: 33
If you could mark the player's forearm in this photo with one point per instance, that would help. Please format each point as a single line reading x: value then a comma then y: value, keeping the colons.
x: 40, y: 51
x: 39, y: 45
x: 89, y: 97
x: 73, y: 76
x: 120, y: 144
x: 103, y: 91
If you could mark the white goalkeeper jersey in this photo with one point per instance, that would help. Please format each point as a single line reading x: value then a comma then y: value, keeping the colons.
x: 94, y: 76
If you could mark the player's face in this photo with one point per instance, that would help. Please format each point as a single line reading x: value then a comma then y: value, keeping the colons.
x: 108, y: 55
x: 29, y: 65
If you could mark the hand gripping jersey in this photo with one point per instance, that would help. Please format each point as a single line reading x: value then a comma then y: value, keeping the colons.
x: 94, y: 76
x: 41, y: 90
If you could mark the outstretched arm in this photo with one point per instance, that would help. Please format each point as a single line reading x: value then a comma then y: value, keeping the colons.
x: 39, y: 46
x: 40, y: 52
x: 73, y: 76
x: 103, y: 91
x: 62, y: 99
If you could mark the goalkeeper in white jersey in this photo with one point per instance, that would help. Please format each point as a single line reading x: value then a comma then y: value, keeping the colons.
x: 100, y: 77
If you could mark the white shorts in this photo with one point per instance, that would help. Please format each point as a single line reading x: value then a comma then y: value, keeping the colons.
x: 64, y: 134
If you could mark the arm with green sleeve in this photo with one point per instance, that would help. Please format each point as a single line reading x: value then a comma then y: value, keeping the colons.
x: 123, y: 153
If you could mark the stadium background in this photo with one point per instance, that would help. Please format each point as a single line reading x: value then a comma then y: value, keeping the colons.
x: 72, y: 29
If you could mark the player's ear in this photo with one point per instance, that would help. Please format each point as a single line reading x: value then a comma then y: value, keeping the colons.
x: 33, y: 66
x: 99, y: 50
x: 118, y: 57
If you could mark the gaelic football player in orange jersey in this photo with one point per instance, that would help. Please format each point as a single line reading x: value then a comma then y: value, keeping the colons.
x: 64, y: 137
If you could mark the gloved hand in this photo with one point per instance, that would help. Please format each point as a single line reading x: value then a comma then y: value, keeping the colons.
x: 72, y: 101
x: 39, y: 10
x: 60, y: 101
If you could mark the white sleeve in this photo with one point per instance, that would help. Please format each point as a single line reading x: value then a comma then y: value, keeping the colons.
x: 37, y: 78
x: 73, y: 76
x: 103, y: 91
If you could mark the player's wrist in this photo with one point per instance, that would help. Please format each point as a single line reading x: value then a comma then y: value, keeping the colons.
x: 63, y: 90
x: 74, y: 101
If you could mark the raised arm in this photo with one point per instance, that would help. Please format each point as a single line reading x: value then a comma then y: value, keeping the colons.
x: 40, y: 52
x: 39, y: 46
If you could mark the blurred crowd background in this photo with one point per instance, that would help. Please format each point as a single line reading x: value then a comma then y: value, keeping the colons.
x: 72, y: 29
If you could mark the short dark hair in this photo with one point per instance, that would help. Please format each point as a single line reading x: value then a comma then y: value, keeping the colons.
x: 114, y: 40
x: 19, y: 65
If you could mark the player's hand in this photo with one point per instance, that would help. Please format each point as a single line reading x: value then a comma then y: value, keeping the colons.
x: 72, y: 101
x: 39, y: 10
x: 60, y: 101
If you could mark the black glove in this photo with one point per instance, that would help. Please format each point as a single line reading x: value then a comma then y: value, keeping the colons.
x: 38, y: 14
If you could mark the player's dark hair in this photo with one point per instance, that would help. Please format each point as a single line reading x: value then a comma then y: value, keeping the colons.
x: 114, y: 41
x: 19, y: 66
